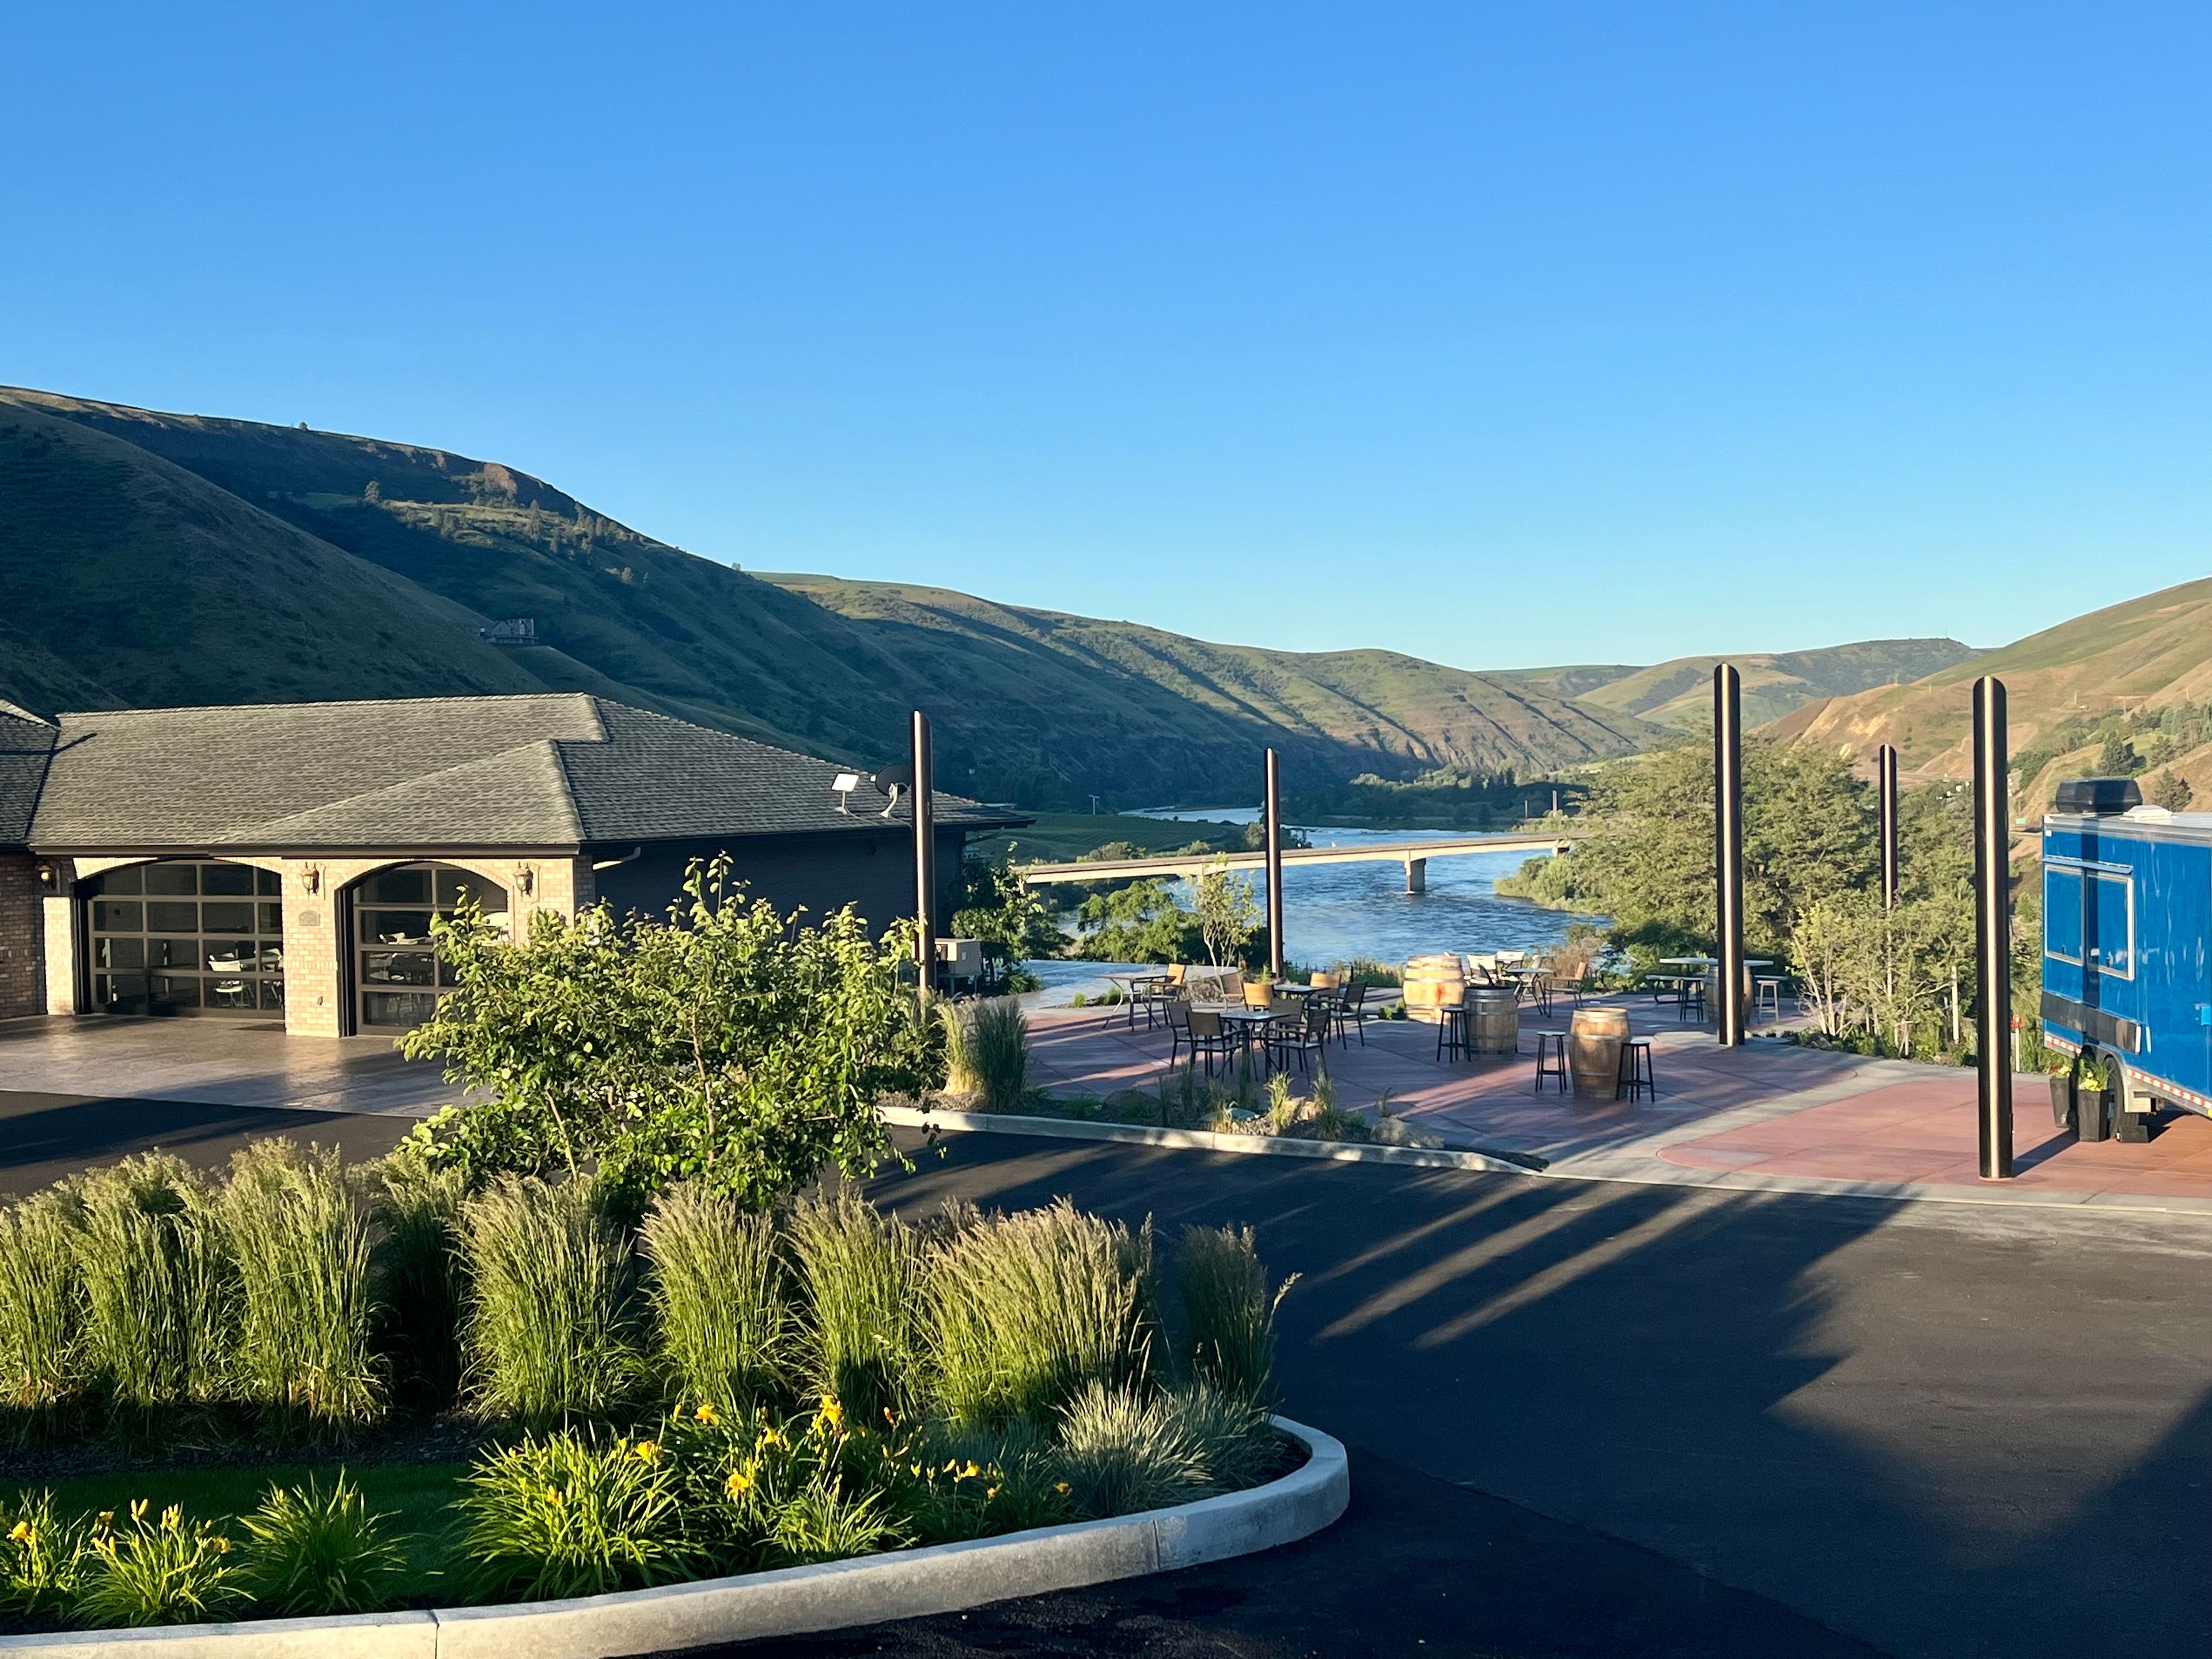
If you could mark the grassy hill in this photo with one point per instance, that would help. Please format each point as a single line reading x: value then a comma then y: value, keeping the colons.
x: 2140, y: 672
x: 182, y: 558
x: 1679, y: 693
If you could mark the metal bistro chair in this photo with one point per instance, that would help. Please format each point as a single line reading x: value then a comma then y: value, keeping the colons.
x: 1351, y: 1013
x: 1208, y: 1037
x: 1306, y: 1033
x: 1551, y: 1060
x: 1635, y: 1077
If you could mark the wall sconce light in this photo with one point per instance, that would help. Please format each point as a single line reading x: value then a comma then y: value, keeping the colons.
x: 312, y: 878
x: 526, y: 879
x: 50, y: 879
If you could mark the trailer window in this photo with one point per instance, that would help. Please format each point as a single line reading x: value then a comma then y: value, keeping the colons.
x: 2113, y: 925
x: 2062, y: 914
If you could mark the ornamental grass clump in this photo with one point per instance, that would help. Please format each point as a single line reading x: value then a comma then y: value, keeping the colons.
x: 298, y: 1246
x: 419, y: 1271
x: 986, y: 1051
x: 40, y: 1314
x: 862, y: 1274
x: 722, y: 1327
x: 310, y: 1551
x: 1228, y: 1311
x: 1121, y: 1450
x: 574, y: 1514
x: 168, y: 1572
x: 156, y: 1297
x: 546, y: 1340
x: 1025, y: 1308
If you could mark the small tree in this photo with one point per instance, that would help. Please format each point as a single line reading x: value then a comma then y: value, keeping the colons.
x: 1228, y: 915
x: 726, y: 1046
x: 1007, y: 917
x: 2171, y: 791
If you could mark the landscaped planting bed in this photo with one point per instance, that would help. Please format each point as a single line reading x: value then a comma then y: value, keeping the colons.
x: 306, y: 1389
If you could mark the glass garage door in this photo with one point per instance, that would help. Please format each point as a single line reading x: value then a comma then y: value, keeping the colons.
x: 398, y: 974
x: 187, y: 936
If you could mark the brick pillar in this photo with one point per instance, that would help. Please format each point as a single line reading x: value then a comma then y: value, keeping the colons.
x: 22, y: 937
x: 59, y: 905
x: 313, y: 1001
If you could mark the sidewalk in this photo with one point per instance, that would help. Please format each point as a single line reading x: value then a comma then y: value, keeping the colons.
x: 1769, y: 1116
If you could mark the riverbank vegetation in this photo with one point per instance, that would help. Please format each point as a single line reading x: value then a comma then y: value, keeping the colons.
x: 1450, y: 798
x: 1878, y: 980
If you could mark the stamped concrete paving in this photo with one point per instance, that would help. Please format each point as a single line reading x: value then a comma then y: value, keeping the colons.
x: 1769, y: 1116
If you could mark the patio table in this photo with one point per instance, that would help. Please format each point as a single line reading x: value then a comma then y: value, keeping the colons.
x: 1141, y: 990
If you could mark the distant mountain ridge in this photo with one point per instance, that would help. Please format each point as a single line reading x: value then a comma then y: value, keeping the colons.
x: 1678, y: 693
x: 184, y: 558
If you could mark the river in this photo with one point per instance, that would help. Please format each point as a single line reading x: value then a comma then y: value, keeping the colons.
x: 1333, y: 912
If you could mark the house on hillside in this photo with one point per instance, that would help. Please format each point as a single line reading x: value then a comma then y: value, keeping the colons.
x: 285, y: 860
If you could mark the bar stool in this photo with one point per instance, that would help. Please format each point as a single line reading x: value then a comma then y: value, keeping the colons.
x: 1635, y: 1072
x: 1451, y: 1029
x: 1551, y: 1060
x: 1766, y: 994
x: 1693, y: 995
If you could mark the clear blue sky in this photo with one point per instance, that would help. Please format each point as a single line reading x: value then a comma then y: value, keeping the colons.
x: 1500, y: 335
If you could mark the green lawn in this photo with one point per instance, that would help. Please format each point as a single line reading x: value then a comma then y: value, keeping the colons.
x: 1056, y: 836
x: 415, y: 1497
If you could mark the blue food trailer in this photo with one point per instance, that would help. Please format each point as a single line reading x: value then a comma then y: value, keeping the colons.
x: 2127, y: 951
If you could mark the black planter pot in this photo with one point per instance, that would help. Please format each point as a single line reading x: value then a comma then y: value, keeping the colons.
x: 2089, y: 1114
x: 2061, y: 1098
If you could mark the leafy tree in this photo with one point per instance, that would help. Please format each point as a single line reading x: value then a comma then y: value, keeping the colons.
x: 2116, y: 758
x: 1142, y: 921
x: 2171, y: 790
x: 726, y: 1046
x: 1228, y: 915
x: 1006, y: 915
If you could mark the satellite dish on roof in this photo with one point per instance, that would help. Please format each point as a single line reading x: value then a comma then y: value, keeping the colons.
x: 891, y: 779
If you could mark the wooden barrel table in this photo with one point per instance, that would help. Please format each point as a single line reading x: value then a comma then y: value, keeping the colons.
x: 1494, y: 1020
x: 1432, y: 983
x: 1593, y: 1039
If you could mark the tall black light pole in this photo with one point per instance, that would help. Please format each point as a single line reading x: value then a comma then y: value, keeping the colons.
x: 1993, y: 927
x: 1728, y: 848
x: 1885, y: 767
x: 924, y: 855
x: 1273, y: 813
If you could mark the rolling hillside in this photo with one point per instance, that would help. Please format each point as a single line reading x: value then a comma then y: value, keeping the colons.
x: 182, y: 558
x: 2117, y: 671
x: 1679, y: 693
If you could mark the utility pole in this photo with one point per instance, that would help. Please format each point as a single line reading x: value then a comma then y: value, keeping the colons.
x: 1885, y: 766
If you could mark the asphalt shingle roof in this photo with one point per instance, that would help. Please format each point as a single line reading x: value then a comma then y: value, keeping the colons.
x: 26, y: 743
x: 541, y: 771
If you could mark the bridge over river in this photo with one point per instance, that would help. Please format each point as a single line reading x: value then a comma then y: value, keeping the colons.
x: 1414, y: 854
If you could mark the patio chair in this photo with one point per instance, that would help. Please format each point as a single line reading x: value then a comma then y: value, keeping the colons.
x: 1206, y: 1035
x: 1574, y: 987
x: 1305, y: 1034
x: 1258, y: 993
x: 1351, y: 1011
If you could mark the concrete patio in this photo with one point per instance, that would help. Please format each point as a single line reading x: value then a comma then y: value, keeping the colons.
x: 1768, y: 1115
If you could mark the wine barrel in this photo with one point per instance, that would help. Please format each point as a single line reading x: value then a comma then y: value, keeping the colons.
x: 1593, y: 1039
x: 1432, y: 982
x: 1494, y: 1020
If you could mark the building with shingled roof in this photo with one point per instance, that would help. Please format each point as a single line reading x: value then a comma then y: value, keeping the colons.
x: 286, y: 860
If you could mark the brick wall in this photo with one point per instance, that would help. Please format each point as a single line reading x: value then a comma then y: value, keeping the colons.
x: 22, y: 937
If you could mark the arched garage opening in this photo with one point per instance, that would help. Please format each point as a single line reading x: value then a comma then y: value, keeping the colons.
x: 399, y: 977
x: 185, y: 936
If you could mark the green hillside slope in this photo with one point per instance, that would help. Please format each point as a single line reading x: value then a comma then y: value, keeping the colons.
x: 1046, y: 710
x: 2139, y: 657
x: 1679, y: 693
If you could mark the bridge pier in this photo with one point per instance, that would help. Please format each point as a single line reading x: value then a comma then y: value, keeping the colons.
x: 1416, y: 875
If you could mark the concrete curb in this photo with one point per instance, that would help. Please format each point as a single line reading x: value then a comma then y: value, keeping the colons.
x: 791, y: 1601
x: 1064, y: 1128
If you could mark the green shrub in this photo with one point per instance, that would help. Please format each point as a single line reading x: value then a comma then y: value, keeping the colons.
x: 41, y: 1556
x: 998, y: 1050
x: 1120, y: 1452
x: 721, y: 1326
x: 1239, y: 1446
x: 978, y: 1482
x: 570, y: 1516
x: 825, y: 1520
x: 1229, y: 1312
x: 299, y: 1246
x: 40, y: 1312
x: 157, y: 1316
x: 312, y: 1551
x: 862, y: 1276
x: 1025, y: 1308
x: 420, y: 1276
x: 546, y: 1340
x: 168, y: 1573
